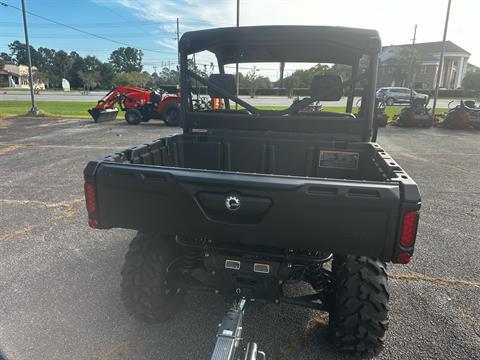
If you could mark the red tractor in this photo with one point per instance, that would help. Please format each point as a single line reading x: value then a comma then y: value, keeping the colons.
x: 139, y: 105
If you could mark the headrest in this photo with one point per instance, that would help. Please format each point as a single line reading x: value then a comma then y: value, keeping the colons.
x: 326, y: 88
x: 224, y: 81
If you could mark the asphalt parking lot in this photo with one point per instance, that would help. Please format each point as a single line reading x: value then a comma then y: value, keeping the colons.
x: 59, y: 279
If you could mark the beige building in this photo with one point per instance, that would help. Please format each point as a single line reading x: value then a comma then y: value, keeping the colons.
x: 16, y: 76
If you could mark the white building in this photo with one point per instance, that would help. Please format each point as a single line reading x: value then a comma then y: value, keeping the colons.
x: 453, y: 71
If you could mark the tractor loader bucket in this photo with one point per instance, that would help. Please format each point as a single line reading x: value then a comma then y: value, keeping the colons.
x: 101, y: 115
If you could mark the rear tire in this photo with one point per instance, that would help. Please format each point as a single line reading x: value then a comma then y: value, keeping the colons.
x: 133, y: 116
x: 144, y: 289
x: 390, y: 101
x: 171, y: 114
x: 359, y: 312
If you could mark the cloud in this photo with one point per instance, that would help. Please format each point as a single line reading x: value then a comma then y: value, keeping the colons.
x: 395, y: 23
x: 192, y: 14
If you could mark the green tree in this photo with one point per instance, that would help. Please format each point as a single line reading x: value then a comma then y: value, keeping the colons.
x: 2, y: 63
x: 127, y: 59
x: 107, y: 75
x: 62, y: 63
x: 91, y: 63
x: 344, y: 71
x: 251, y: 79
x: 46, y: 57
x: 133, y: 78
x: 169, y: 77
x: 19, y: 53
x: 6, y: 57
x: 471, y: 81
x: 90, y: 79
x: 302, y: 78
x: 155, y: 82
x: 77, y: 65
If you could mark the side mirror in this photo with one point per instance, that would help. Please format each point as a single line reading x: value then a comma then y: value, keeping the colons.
x: 326, y: 88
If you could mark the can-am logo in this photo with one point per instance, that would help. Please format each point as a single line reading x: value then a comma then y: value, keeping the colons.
x: 232, y: 202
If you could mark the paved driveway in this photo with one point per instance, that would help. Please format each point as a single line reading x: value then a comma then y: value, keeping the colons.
x: 59, y: 280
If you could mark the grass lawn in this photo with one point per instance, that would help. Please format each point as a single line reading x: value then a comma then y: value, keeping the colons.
x: 78, y: 109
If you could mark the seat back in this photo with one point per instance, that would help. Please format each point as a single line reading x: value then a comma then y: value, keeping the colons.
x: 326, y: 88
x: 224, y: 81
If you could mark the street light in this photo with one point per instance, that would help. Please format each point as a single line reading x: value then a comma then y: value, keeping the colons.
x: 33, y: 111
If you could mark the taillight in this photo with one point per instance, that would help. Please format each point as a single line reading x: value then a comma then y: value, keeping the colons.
x: 93, y: 223
x: 90, y: 198
x: 409, y: 229
x: 91, y: 202
x: 403, y: 258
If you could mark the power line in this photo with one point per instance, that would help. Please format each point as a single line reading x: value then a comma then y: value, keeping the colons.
x: 65, y: 36
x: 79, y: 30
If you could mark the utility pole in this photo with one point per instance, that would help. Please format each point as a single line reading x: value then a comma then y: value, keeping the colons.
x: 410, y: 66
x: 178, y: 41
x: 282, y: 70
x: 33, y: 110
x: 442, y: 53
x: 237, y: 75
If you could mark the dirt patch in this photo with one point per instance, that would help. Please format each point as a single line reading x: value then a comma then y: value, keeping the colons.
x: 68, y: 212
x: 5, y: 149
x: 436, y: 281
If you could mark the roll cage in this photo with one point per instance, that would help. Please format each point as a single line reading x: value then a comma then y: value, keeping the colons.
x: 283, y: 44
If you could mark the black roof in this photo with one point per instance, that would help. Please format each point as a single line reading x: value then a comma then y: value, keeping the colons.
x: 428, y: 50
x: 283, y: 43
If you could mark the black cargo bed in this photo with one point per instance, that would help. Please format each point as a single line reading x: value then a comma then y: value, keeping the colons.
x: 178, y: 185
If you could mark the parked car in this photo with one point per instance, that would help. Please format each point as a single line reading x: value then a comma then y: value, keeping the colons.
x: 397, y: 95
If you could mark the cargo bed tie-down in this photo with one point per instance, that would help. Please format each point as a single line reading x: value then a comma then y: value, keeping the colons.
x: 229, y: 336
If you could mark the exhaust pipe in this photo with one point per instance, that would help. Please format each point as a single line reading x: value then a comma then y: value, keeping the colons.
x: 101, y: 115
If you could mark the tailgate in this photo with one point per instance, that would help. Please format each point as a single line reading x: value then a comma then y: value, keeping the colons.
x: 339, y: 216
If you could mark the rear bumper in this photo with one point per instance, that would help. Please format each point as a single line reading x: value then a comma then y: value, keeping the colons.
x: 340, y: 216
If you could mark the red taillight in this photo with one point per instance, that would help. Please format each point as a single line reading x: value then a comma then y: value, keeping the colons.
x: 403, y: 258
x: 90, y: 199
x: 409, y: 229
x: 93, y: 223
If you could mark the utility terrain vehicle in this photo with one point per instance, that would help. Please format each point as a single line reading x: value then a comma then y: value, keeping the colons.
x: 247, y: 200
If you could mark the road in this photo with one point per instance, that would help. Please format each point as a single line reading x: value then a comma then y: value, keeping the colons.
x: 59, y: 283
x: 94, y: 96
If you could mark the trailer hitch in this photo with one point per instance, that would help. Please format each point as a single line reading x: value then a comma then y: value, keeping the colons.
x: 229, y: 336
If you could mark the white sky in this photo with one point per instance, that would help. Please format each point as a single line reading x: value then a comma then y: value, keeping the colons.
x: 394, y: 19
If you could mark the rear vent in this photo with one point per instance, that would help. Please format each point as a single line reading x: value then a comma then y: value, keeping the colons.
x: 322, y: 191
x: 363, y: 193
x: 153, y: 177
